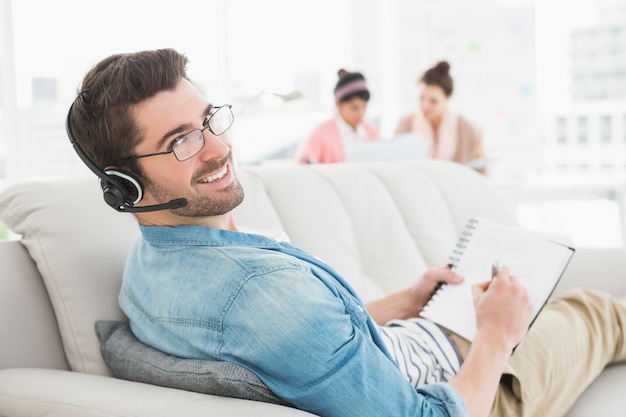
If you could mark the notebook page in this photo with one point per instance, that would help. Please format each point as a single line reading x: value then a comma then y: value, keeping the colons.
x: 536, y: 262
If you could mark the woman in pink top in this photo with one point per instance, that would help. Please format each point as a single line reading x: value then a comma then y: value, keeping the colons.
x: 330, y: 142
x: 453, y: 137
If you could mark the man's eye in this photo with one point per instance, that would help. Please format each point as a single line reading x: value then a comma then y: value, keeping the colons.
x: 177, y: 142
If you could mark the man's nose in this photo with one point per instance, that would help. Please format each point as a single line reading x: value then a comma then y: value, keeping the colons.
x: 214, y: 146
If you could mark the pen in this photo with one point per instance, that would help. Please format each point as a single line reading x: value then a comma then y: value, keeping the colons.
x: 494, y: 268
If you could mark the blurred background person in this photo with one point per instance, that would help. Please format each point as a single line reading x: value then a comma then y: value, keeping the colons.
x: 453, y: 137
x: 330, y: 142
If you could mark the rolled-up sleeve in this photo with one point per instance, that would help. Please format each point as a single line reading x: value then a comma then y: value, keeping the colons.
x: 450, y: 399
x: 313, y: 348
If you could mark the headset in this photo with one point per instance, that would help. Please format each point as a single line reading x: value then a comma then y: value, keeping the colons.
x: 121, y: 190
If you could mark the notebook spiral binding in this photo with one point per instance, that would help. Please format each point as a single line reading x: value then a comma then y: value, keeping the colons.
x: 540, y: 260
x: 464, y: 239
x: 457, y: 252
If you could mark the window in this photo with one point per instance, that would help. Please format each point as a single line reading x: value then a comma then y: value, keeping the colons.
x: 583, y: 130
x: 605, y: 129
x: 561, y: 130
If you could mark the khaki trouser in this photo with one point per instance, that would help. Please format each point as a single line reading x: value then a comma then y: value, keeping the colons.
x: 568, y: 346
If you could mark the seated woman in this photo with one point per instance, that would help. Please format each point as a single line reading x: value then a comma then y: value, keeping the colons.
x: 330, y: 142
x: 452, y: 135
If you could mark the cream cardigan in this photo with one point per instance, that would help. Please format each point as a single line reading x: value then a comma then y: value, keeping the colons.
x: 458, y: 139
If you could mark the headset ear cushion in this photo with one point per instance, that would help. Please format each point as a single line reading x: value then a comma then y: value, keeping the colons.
x: 128, y: 185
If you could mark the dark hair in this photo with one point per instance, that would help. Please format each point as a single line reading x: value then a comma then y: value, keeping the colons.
x: 101, y: 117
x: 439, y: 75
x: 344, y: 92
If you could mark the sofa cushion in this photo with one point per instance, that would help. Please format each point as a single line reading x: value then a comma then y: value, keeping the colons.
x: 128, y: 358
x: 79, y: 245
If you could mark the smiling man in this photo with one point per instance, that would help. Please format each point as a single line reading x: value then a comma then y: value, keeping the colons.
x: 196, y: 285
x: 201, y: 169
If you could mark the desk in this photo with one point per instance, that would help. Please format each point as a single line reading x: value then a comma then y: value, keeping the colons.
x: 562, y: 187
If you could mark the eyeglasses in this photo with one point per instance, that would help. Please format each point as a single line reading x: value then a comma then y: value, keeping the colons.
x: 188, y: 145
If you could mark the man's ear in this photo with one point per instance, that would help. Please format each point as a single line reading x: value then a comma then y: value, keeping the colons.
x: 121, y: 188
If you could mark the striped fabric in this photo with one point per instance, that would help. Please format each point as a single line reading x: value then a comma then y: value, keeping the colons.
x: 423, y: 352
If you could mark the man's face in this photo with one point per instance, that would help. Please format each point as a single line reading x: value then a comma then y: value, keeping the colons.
x: 207, y: 180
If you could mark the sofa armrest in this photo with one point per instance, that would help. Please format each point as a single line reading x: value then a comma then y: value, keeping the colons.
x: 598, y: 268
x: 29, y: 329
x: 29, y: 392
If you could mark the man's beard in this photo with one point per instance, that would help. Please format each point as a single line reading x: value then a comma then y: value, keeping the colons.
x: 200, y: 204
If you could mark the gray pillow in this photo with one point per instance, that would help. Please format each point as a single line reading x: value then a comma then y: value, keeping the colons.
x: 130, y: 359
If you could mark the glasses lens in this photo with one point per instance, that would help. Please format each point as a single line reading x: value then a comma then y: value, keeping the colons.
x: 221, y: 120
x: 189, y: 145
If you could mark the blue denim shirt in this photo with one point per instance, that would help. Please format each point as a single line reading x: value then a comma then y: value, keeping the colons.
x: 199, y: 292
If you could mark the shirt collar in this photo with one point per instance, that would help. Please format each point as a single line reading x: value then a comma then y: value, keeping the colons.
x: 346, y: 130
x: 192, y: 235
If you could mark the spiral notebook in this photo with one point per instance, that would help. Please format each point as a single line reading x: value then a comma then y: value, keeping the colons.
x: 536, y: 260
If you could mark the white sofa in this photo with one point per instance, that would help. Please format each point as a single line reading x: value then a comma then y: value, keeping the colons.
x: 379, y: 224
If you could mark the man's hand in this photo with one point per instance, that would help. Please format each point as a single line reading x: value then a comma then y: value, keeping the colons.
x: 424, y: 288
x: 503, y: 314
x: 503, y: 308
x: 410, y: 301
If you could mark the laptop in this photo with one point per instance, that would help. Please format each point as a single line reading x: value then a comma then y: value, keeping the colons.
x: 398, y: 148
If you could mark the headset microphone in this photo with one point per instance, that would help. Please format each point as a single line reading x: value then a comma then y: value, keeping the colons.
x: 121, y: 190
x: 170, y: 205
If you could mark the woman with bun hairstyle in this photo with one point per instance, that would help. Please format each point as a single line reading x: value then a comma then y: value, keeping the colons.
x: 453, y: 136
x: 330, y: 142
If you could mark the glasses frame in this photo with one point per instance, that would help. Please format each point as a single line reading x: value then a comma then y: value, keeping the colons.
x: 207, y: 120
